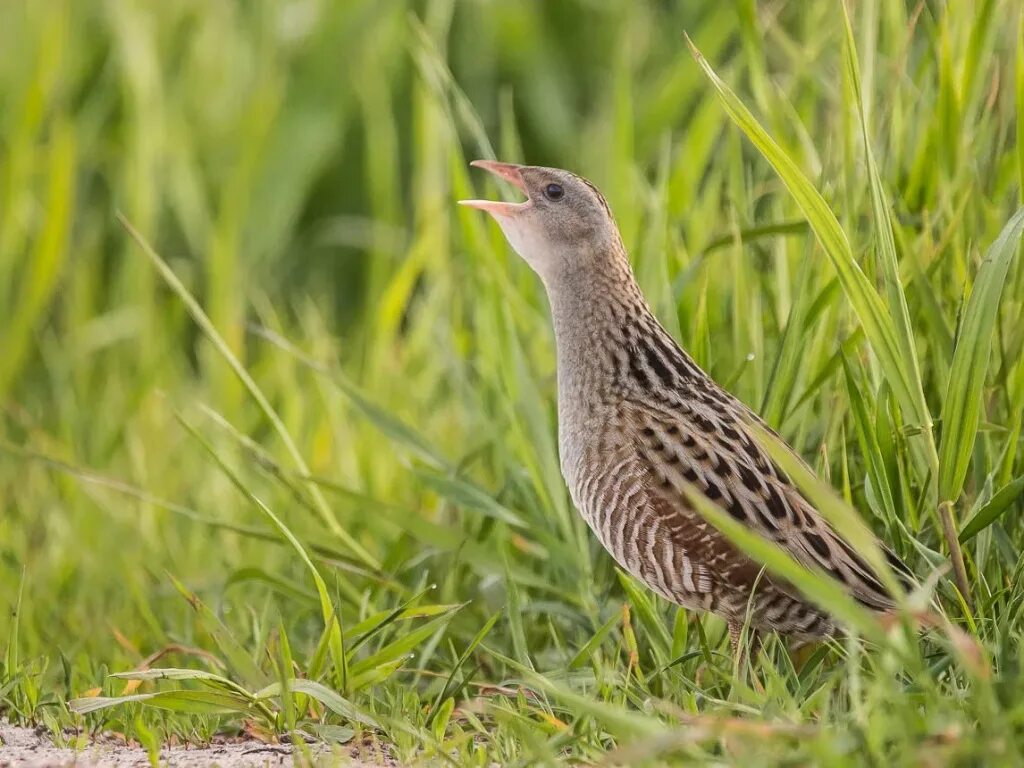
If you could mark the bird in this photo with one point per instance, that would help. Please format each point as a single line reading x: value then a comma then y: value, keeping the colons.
x: 641, y: 425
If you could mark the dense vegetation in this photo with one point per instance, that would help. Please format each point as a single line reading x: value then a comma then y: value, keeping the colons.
x: 297, y: 388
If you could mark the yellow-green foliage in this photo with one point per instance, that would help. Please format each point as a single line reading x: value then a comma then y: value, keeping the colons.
x: 298, y: 434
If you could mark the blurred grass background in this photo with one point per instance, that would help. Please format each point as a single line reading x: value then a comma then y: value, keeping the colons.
x: 295, y: 162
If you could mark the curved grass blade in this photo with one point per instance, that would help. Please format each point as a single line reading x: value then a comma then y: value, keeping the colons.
x: 361, y: 636
x: 617, y: 719
x: 376, y: 621
x: 112, y: 483
x: 207, y: 327
x: 237, y: 657
x: 868, y: 305
x: 846, y: 521
x: 282, y: 586
x: 589, y: 647
x: 176, y: 673
x: 1001, y: 501
x: 816, y: 585
x: 961, y: 409
x: 897, y: 299
x: 189, y: 702
x: 748, y: 235
x: 331, y: 624
x: 401, y: 647
x: 467, y: 495
x: 333, y: 700
x: 328, y: 554
x: 392, y: 427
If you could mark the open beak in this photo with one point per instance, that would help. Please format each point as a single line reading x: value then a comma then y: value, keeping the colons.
x: 510, y: 173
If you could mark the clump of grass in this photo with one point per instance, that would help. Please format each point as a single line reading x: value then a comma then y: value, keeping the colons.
x: 296, y: 471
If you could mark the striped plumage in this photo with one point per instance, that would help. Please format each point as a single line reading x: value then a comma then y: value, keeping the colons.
x: 639, y: 421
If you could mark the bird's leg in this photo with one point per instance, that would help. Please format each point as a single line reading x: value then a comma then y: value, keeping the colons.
x: 735, y: 633
x: 743, y: 653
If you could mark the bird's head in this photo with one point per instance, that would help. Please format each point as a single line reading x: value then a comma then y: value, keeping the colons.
x: 563, y: 226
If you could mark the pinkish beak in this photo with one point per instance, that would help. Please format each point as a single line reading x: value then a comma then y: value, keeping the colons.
x: 510, y: 173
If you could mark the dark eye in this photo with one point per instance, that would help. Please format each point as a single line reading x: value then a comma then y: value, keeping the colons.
x: 554, y: 192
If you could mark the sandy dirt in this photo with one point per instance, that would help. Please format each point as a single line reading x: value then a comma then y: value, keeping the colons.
x: 29, y: 748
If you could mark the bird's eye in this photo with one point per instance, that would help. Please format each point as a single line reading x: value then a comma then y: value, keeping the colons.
x: 554, y: 192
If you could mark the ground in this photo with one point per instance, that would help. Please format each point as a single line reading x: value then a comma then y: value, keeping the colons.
x: 33, y: 748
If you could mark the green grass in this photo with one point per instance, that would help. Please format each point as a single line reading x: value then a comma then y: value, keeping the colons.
x: 290, y: 431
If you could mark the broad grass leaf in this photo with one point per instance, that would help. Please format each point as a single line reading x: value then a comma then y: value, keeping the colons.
x: 173, y: 673
x: 1001, y: 501
x: 589, y: 647
x: 190, y: 702
x: 467, y: 495
x: 961, y: 409
x: 401, y: 647
x: 331, y: 699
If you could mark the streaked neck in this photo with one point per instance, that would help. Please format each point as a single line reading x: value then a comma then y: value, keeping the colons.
x: 593, y: 311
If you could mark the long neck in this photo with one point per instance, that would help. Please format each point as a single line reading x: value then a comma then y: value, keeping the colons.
x: 593, y: 312
x: 609, y: 341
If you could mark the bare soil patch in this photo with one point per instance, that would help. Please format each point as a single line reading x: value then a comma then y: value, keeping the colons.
x: 33, y: 748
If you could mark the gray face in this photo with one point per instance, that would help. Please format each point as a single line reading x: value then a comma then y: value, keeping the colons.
x: 571, y: 212
x: 564, y: 226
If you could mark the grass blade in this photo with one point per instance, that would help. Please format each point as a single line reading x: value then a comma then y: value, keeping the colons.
x: 207, y: 327
x: 871, y: 311
x: 961, y: 410
x: 1001, y: 501
x: 396, y: 650
x: 333, y: 700
x: 880, y: 208
x: 237, y: 657
x: 42, y: 274
x: 817, y: 586
x: 191, y: 702
x: 589, y: 647
x: 847, y: 523
x: 447, y: 689
x: 326, y: 606
x: 465, y: 494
